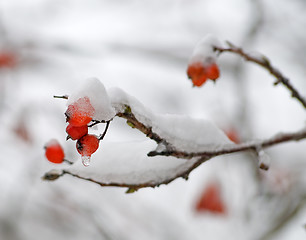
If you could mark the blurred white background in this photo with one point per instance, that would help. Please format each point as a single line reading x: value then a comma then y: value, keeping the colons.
x: 143, y: 47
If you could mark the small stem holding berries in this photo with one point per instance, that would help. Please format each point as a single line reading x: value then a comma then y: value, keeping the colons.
x: 67, y: 161
x: 105, y: 130
x: 95, y: 122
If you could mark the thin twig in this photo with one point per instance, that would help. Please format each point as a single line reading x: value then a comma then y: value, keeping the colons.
x: 105, y: 130
x: 279, y: 138
x: 63, y: 96
x: 134, y: 123
x: 95, y: 122
x: 68, y: 161
x: 52, y: 175
x: 265, y: 63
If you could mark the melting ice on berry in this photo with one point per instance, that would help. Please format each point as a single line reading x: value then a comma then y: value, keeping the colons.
x: 95, y: 91
x: 86, y: 160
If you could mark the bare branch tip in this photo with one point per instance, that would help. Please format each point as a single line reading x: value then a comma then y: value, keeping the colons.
x: 63, y: 96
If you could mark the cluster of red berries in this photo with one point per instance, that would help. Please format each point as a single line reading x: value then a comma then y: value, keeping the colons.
x: 200, y: 73
x: 78, y: 115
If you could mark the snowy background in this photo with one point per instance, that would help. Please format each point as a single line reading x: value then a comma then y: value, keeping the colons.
x: 143, y: 47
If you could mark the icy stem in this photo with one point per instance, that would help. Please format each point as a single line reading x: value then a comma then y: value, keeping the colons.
x: 86, y: 160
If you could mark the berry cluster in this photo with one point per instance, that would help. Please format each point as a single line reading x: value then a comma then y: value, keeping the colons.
x: 78, y: 115
x: 199, y: 72
x: 202, y: 64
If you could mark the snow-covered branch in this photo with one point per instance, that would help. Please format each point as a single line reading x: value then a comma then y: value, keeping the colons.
x: 177, y: 154
x: 170, y: 150
x: 265, y: 63
x: 253, y: 145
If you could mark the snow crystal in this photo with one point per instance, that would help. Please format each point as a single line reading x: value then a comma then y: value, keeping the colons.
x: 95, y: 91
x: 203, y: 51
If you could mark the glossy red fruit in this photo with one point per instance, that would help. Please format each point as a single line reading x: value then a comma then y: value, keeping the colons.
x: 54, y: 152
x: 196, y: 72
x: 212, y: 71
x: 210, y: 200
x: 76, y: 132
x: 87, y: 145
x: 80, y: 112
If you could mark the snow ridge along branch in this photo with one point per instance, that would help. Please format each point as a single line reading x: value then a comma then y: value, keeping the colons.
x: 226, y: 149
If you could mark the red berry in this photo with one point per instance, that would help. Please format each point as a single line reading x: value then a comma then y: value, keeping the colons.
x: 80, y: 112
x: 212, y: 71
x: 7, y: 59
x: 76, y: 132
x: 196, y: 73
x: 87, y: 145
x: 233, y: 135
x: 54, y: 152
x: 210, y: 200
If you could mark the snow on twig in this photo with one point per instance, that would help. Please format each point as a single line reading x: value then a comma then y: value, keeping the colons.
x: 253, y: 145
x: 265, y: 63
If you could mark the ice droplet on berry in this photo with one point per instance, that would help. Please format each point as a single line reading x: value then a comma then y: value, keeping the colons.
x: 85, y: 160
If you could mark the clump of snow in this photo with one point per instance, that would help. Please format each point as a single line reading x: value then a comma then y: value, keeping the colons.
x: 189, y: 134
x: 182, y: 132
x: 264, y: 160
x: 120, y: 100
x: 99, y: 100
x: 204, y: 51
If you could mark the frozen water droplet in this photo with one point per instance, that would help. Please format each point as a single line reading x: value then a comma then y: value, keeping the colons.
x: 86, y: 160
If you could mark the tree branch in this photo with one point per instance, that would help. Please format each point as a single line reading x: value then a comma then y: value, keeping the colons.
x: 200, y: 157
x: 134, y: 123
x: 265, y: 63
x: 254, y: 146
x: 171, y: 151
x: 197, y: 157
x: 55, y: 174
